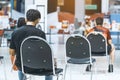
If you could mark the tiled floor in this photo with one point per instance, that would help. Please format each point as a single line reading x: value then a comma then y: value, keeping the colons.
x: 74, y: 72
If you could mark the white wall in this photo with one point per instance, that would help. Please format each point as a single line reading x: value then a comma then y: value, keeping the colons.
x: 105, y: 6
x: 41, y: 5
x: 40, y: 1
x: 27, y: 3
x: 80, y: 9
x: 43, y: 11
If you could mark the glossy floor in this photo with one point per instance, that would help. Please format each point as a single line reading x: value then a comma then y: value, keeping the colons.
x: 74, y: 72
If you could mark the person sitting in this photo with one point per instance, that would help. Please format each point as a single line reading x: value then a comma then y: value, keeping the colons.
x: 106, y: 33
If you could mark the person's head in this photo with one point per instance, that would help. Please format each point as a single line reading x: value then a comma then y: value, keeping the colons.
x: 21, y: 22
x: 33, y: 15
x: 99, y: 21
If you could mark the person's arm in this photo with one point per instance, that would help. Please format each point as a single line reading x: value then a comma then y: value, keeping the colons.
x: 13, y: 57
x: 110, y: 41
x: 109, y: 37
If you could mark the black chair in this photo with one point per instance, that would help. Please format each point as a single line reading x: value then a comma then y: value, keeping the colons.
x: 37, y: 57
x: 98, y: 45
x: 1, y: 36
x: 78, y: 51
x: 2, y: 63
x: 1, y: 57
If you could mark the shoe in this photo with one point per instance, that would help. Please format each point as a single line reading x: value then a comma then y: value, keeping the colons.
x: 110, y: 68
x: 88, y: 68
x: 1, y: 57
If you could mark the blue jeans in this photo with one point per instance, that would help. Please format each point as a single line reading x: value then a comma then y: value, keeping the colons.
x: 22, y: 76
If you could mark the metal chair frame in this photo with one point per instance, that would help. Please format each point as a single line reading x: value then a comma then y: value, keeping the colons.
x: 103, y: 40
x: 39, y: 38
x: 82, y: 62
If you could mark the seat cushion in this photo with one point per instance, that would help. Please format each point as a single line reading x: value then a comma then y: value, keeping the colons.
x: 42, y: 72
x: 80, y: 61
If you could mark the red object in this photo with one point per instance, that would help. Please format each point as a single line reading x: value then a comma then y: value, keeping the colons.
x: 52, y: 27
x: 1, y: 32
x: 61, y: 31
x: 66, y: 16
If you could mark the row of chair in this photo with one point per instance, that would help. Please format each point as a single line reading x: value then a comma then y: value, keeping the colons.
x: 80, y: 49
x: 37, y: 55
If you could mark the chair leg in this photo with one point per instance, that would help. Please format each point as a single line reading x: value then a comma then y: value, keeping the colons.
x: 1, y: 57
x: 67, y: 68
x: 64, y: 74
x: 26, y: 77
x: 57, y: 77
x: 88, y: 68
x: 91, y: 75
x: 92, y: 65
x: 4, y: 69
x: 70, y: 73
x: 1, y: 61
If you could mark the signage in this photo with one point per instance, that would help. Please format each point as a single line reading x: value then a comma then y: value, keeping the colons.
x: 91, y: 7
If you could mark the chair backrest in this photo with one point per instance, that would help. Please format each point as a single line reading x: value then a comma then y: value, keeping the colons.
x: 78, y: 47
x: 98, y: 43
x: 36, y: 53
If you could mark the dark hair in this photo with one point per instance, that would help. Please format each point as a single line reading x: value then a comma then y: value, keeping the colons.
x: 99, y: 21
x: 21, y: 22
x: 33, y: 15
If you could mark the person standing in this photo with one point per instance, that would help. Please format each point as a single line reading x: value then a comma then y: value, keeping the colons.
x: 33, y: 16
